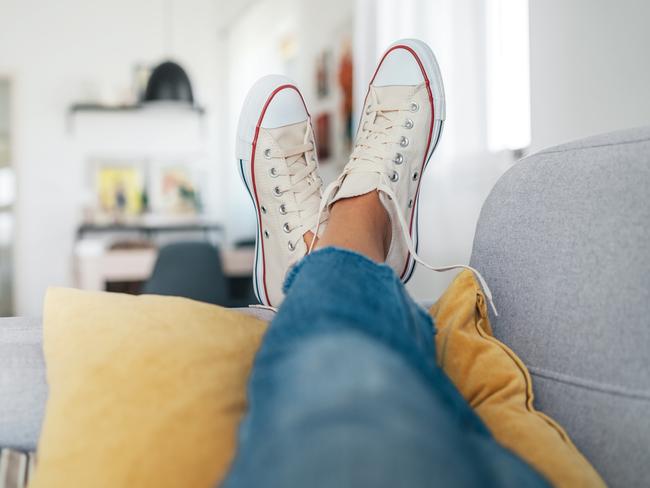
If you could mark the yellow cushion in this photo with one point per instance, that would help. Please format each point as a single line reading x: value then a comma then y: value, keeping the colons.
x: 498, y: 386
x: 144, y: 391
x: 149, y: 391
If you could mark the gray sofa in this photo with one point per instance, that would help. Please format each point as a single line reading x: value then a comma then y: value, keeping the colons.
x: 564, y: 242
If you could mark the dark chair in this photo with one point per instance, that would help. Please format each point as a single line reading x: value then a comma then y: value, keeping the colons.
x: 191, y: 270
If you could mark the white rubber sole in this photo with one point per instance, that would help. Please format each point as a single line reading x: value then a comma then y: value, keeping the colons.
x: 254, y: 105
x: 432, y: 72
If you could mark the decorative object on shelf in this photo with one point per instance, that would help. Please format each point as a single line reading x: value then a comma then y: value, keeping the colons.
x: 169, y: 82
x: 141, y: 73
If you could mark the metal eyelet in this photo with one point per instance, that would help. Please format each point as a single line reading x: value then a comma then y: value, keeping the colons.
x: 266, y: 234
x: 267, y: 153
x: 263, y: 209
x: 404, y: 141
x: 415, y: 176
x: 368, y: 109
x: 394, y: 177
x: 414, y: 107
x: 283, y: 209
x: 273, y: 172
x: 410, y: 203
x: 277, y: 192
x: 291, y: 246
x: 398, y: 159
x: 286, y: 227
x: 408, y: 123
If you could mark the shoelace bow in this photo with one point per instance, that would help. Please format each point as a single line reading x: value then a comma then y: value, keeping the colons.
x: 369, y: 156
x: 305, y: 185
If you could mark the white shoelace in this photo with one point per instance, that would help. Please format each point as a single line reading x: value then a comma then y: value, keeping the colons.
x: 304, y: 184
x: 369, y: 157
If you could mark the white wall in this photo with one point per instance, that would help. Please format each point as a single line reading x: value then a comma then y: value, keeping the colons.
x: 590, y: 67
x: 252, y: 46
x: 55, y: 51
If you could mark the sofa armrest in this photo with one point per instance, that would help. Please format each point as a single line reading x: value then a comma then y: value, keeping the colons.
x: 562, y: 241
x: 23, y: 388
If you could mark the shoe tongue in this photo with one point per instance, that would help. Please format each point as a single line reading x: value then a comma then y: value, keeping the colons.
x: 356, y: 184
x: 394, y: 94
x: 290, y: 135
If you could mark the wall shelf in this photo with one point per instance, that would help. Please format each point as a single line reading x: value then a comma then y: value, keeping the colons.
x: 168, y: 109
x: 93, y: 107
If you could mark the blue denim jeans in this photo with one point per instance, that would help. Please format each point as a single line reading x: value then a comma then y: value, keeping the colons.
x: 345, y: 392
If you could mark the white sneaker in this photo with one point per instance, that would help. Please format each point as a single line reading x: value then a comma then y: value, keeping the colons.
x: 399, y: 129
x: 277, y: 160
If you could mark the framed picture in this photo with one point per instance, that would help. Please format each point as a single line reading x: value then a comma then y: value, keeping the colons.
x: 323, y: 136
x: 333, y: 103
x: 175, y: 188
x: 120, y: 186
x: 323, y: 73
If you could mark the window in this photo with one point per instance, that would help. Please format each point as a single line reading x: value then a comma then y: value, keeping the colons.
x: 508, y: 74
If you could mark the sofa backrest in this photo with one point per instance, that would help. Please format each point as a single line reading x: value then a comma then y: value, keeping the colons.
x: 563, y: 241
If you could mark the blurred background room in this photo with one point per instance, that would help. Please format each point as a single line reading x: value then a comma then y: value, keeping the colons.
x: 117, y: 123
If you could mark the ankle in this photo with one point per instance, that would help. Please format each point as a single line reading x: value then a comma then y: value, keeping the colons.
x: 308, y: 237
x: 374, y: 214
x: 359, y: 223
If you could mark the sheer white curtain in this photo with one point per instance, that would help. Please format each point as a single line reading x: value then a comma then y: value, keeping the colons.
x: 482, y: 48
x: 472, y: 48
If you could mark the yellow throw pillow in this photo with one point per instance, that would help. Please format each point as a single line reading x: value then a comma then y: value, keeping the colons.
x: 149, y: 391
x: 498, y: 386
x: 144, y: 391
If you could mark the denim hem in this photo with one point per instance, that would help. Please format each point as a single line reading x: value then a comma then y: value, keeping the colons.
x: 323, y: 254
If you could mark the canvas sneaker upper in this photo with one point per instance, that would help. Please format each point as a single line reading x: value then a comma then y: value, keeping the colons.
x: 400, y: 126
x: 279, y: 165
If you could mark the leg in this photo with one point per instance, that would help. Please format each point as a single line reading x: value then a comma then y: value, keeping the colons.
x: 345, y: 390
x: 355, y: 224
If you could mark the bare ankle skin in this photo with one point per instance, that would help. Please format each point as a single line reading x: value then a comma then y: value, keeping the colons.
x: 308, y: 237
x: 360, y: 224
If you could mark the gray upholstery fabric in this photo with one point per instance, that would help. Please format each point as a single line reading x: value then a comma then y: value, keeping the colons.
x: 23, y: 389
x: 23, y: 386
x: 563, y: 241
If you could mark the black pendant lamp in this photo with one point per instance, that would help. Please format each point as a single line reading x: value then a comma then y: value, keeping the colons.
x: 169, y: 82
